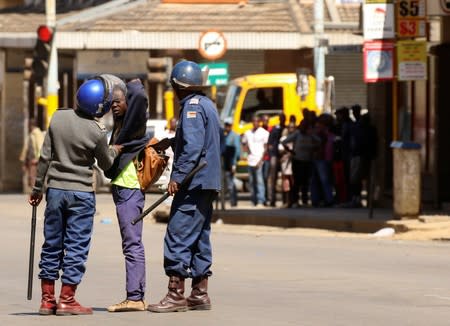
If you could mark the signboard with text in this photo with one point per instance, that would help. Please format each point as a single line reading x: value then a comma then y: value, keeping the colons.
x: 378, y: 61
x: 378, y: 21
x: 218, y: 73
x: 411, y: 18
x: 412, y: 60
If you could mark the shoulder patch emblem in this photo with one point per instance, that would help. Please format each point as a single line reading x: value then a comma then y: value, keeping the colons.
x: 100, y: 125
x: 194, y: 101
x: 191, y: 114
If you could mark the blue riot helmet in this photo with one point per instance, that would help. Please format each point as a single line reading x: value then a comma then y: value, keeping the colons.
x: 94, y: 97
x: 186, y: 75
x: 91, y: 97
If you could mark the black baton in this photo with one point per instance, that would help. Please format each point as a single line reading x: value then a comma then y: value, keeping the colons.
x: 200, y: 166
x: 31, y: 262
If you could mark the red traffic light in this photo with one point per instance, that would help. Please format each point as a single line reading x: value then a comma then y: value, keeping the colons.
x: 45, y: 33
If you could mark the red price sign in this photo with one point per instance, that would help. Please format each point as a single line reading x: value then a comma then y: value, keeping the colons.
x: 411, y: 28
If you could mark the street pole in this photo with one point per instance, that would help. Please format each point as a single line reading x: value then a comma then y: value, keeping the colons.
x: 319, y: 52
x: 52, y: 77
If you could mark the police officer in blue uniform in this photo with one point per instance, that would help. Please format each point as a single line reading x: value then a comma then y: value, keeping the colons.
x: 187, y: 246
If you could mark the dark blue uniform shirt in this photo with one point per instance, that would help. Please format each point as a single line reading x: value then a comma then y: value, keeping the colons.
x: 197, y: 139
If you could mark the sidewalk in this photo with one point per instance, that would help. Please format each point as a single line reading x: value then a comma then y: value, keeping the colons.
x: 429, y: 225
x: 355, y: 220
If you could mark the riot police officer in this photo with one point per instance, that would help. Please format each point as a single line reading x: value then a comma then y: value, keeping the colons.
x: 71, y: 145
x: 187, y: 246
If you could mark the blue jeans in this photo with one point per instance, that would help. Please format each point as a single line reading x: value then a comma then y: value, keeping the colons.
x: 68, y: 223
x: 129, y: 204
x: 321, y: 183
x: 256, y: 183
x: 187, y: 245
x: 231, y: 187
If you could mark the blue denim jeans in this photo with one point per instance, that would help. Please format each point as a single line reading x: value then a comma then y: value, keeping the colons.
x: 187, y: 245
x: 231, y: 187
x: 68, y: 223
x: 321, y: 183
x: 256, y: 184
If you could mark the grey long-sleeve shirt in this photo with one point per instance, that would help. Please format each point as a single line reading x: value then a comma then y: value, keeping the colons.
x: 304, y: 146
x: 71, y: 145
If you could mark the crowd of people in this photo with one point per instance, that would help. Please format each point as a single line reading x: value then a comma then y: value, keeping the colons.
x: 321, y: 161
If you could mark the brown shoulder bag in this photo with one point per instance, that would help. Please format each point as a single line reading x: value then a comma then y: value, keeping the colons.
x: 150, y: 165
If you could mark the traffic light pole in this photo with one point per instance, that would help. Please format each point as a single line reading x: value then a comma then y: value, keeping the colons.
x: 52, y: 77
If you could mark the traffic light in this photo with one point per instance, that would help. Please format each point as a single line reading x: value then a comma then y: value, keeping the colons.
x: 27, y: 68
x: 42, y: 51
x: 159, y: 69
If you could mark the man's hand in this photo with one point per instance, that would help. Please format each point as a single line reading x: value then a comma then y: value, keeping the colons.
x: 163, y: 144
x: 35, y: 198
x: 173, y: 188
x: 233, y: 170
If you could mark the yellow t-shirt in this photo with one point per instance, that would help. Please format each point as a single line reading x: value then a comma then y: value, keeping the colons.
x: 127, y: 178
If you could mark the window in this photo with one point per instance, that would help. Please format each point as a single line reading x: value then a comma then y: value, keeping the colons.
x: 260, y: 101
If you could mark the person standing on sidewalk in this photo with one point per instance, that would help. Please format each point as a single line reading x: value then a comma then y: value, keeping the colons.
x: 304, y: 145
x: 129, y: 108
x: 187, y: 245
x: 230, y: 155
x: 287, y: 179
x: 274, y: 154
x: 255, y: 143
x: 74, y: 140
x: 30, y: 153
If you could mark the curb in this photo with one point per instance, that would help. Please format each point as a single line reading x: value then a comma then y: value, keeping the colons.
x: 341, y: 220
x: 279, y: 219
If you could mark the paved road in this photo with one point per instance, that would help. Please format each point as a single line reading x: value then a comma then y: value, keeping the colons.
x: 261, y: 277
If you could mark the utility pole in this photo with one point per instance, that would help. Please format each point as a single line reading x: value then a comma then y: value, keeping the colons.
x: 319, y: 52
x: 52, y: 78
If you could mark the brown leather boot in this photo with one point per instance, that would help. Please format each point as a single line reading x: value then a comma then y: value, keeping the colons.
x: 174, y: 299
x: 199, y: 299
x: 68, y: 305
x: 48, y: 301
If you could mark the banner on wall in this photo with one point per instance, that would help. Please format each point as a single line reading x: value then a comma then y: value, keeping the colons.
x: 412, y: 60
x: 378, y: 21
x: 378, y: 61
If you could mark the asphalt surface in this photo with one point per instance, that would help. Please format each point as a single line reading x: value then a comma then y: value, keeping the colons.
x: 262, y: 275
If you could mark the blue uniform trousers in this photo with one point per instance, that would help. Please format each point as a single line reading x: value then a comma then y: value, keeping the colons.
x: 187, y: 246
x: 129, y: 204
x: 68, y: 224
